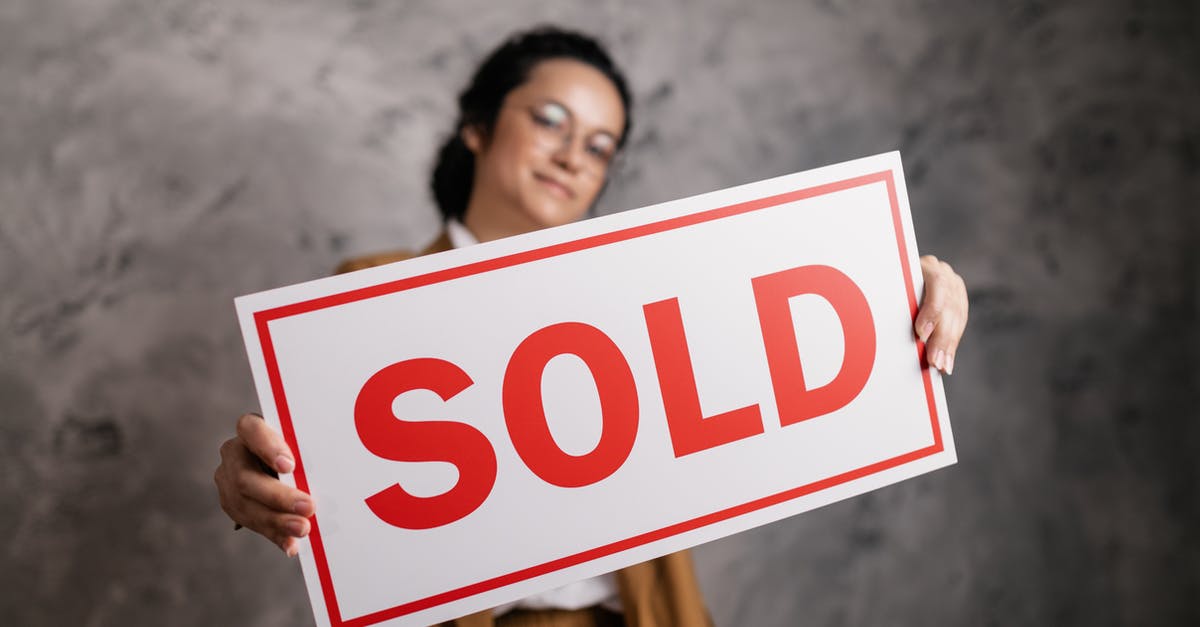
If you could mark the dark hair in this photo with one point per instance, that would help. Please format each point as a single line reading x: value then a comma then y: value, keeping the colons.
x: 505, y: 69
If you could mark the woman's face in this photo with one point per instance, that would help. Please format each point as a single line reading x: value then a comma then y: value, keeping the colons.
x: 547, y: 156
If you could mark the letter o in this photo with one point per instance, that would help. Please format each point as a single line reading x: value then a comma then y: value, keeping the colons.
x: 525, y: 414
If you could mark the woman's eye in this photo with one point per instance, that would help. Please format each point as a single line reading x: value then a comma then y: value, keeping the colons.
x: 600, y: 152
x: 550, y: 116
x: 601, y: 147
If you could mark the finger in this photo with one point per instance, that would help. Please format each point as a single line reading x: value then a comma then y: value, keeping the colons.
x: 255, y: 485
x: 281, y: 529
x: 964, y: 300
x: 943, y: 344
x: 265, y: 443
x: 291, y: 547
x: 953, y: 322
x: 933, y: 305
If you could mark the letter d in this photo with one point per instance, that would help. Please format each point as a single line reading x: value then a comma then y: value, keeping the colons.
x: 771, y: 294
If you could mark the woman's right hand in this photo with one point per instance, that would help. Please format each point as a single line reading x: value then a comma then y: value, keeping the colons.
x: 254, y: 498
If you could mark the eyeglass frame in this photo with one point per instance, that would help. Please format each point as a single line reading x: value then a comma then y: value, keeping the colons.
x: 566, y: 137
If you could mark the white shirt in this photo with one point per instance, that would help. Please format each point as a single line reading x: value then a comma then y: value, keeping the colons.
x: 600, y: 590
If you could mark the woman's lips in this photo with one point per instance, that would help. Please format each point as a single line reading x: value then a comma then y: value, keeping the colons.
x: 555, y: 187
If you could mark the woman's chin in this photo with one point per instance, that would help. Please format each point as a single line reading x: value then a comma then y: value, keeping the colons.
x: 551, y: 214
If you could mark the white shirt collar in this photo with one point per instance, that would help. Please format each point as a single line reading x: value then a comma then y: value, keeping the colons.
x: 460, y: 236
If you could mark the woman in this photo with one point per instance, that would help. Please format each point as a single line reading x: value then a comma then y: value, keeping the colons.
x: 538, y: 128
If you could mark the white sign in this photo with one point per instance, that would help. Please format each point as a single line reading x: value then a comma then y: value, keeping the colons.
x: 487, y: 423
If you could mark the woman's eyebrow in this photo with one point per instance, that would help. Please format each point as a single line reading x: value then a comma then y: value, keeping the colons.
x: 565, y: 108
x: 571, y: 114
x: 603, y: 131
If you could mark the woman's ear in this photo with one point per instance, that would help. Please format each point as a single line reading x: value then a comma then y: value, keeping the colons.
x: 472, y: 137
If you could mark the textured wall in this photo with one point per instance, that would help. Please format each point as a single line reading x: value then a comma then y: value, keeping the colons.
x: 159, y: 157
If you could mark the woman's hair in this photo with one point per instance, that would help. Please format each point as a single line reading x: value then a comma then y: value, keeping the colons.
x: 479, y: 104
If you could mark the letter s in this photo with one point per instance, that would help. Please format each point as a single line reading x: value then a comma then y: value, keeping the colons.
x: 390, y: 437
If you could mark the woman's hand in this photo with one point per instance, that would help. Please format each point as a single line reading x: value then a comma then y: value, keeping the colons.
x: 252, y: 495
x: 943, y: 313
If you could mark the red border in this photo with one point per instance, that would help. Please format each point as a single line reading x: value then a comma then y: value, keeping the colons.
x: 262, y: 318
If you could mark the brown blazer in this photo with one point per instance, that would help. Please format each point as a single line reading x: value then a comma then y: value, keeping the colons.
x: 662, y: 592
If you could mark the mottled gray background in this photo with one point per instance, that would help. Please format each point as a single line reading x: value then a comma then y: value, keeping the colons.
x: 159, y: 157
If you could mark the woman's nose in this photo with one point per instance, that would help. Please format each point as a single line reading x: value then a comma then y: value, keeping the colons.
x: 567, y: 155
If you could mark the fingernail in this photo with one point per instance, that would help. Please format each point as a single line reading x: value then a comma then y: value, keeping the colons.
x: 291, y: 547
x: 926, y: 329
x: 295, y: 528
x: 283, y: 463
x: 304, y: 507
x: 938, y: 358
x: 950, y: 363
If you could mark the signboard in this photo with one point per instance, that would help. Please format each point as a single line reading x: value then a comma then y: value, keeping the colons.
x: 491, y: 422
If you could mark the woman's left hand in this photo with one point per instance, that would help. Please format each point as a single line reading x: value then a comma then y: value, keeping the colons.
x: 943, y: 313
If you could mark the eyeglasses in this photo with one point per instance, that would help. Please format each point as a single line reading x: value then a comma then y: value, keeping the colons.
x: 555, y: 129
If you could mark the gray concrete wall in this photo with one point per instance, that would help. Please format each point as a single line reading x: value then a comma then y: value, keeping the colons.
x: 159, y: 157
